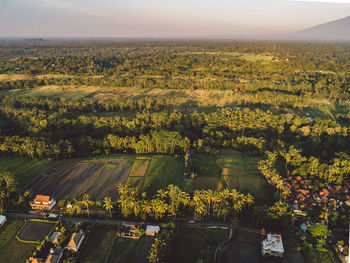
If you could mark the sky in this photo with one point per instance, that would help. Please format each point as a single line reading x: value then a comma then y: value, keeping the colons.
x: 163, y: 18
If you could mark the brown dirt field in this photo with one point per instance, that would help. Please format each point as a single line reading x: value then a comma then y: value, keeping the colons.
x: 214, y: 183
x: 109, y: 184
x: 53, y: 177
x: 82, y: 183
x: 121, y: 180
x: 139, y: 167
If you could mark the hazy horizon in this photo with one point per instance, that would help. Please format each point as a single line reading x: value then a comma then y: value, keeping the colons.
x: 163, y: 19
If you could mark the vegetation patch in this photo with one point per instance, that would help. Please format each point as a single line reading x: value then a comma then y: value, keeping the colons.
x: 8, y: 231
x: 23, y: 169
x: 191, y: 244
x: 35, y: 231
x: 139, y: 167
x: 98, y: 245
x: 214, y: 183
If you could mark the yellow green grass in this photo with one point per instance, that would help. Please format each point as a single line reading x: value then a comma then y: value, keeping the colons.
x: 99, y: 243
x: 23, y: 169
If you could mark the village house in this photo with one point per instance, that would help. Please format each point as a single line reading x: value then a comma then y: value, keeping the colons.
x: 152, y: 230
x: 43, y: 202
x: 272, y: 245
x: 55, y: 255
x: 55, y: 237
x: 75, y: 241
x: 36, y: 260
x: 2, y: 220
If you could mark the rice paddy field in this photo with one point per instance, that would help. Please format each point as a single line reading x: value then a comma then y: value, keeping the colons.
x: 99, y: 177
x: 36, y: 230
x: 12, y: 250
x: 24, y: 169
x: 189, y: 245
x: 233, y: 170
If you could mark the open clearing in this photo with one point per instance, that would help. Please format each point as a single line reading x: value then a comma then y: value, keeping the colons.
x: 233, y: 170
x: 23, y: 169
x: 100, y: 177
x: 36, y: 231
x: 191, y: 241
x: 99, y: 242
x: 244, y: 248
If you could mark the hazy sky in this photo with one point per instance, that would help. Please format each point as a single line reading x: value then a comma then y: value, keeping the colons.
x: 163, y: 18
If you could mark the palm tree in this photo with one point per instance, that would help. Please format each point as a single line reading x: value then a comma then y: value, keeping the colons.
x: 86, y: 202
x: 108, y: 205
x: 2, y: 199
x: 9, y: 181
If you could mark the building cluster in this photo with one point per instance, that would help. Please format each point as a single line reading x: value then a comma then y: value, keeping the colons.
x: 306, y: 195
x: 53, y: 253
x: 135, y: 230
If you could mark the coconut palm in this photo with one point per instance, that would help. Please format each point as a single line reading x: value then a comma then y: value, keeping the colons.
x: 2, y: 199
x: 9, y: 182
x: 86, y: 202
x: 108, y: 205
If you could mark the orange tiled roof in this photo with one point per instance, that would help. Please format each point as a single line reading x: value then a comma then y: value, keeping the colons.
x: 42, y: 198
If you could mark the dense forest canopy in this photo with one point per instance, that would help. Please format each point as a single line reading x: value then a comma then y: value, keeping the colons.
x: 256, y: 97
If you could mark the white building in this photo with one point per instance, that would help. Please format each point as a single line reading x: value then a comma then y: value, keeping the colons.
x: 272, y: 245
x: 152, y: 230
x: 2, y: 220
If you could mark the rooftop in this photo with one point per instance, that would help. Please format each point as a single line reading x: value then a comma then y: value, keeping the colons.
x: 273, y: 242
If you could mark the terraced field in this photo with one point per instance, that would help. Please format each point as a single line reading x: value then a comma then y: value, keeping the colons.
x: 233, y: 170
x: 101, y: 177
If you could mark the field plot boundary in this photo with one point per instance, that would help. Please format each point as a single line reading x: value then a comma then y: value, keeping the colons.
x: 12, y: 237
x: 35, y: 220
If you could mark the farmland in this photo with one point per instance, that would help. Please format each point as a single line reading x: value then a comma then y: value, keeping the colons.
x: 188, y: 247
x: 35, y: 230
x: 24, y: 169
x: 98, y: 251
x: 100, y: 177
x: 233, y: 170
x: 12, y: 250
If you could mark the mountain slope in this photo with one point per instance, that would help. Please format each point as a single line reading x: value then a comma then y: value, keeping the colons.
x: 338, y: 30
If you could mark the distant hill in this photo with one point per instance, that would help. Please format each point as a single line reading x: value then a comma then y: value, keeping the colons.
x: 338, y: 30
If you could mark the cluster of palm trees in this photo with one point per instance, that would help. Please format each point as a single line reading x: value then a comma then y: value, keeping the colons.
x: 173, y: 202
x: 7, y: 184
x: 268, y: 170
x: 170, y: 202
x: 75, y: 206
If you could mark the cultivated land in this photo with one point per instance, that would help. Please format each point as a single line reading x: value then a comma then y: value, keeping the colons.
x: 188, y: 246
x: 233, y: 170
x: 98, y: 245
x: 24, y: 169
x: 12, y: 250
x: 36, y: 231
x: 100, y: 177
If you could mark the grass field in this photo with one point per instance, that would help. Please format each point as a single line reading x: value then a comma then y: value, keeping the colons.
x: 9, y: 231
x: 233, y: 170
x: 244, y: 248
x: 163, y: 170
x: 190, y: 243
x: 17, y: 252
x: 12, y: 250
x: 127, y: 250
x: 36, y: 231
x: 98, y: 245
x: 24, y: 169
x: 318, y: 257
